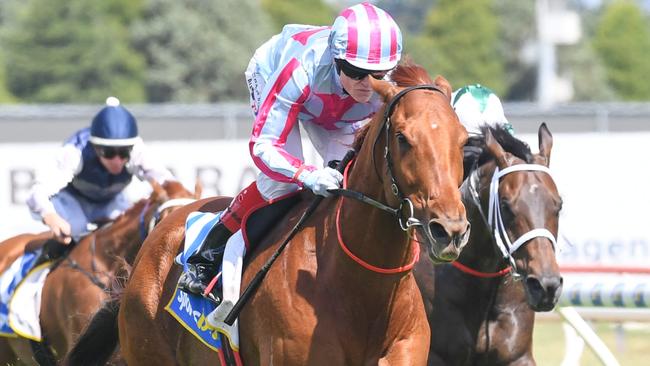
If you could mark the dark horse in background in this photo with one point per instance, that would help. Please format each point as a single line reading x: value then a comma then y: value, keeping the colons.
x: 342, y: 292
x: 81, y: 281
x: 481, y: 312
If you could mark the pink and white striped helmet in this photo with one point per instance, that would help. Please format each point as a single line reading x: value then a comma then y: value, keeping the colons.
x: 367, y: 37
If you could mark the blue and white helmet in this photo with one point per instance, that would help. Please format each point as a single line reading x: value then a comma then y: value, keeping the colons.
x: 114, y: 126
x: 477, y: 106
x: 367, y: 37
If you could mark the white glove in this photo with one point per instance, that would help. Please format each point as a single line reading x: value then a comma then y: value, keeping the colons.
x: 319, y: 181
x: 60, y: 228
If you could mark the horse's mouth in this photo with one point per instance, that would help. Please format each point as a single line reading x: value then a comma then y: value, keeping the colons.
x: 439, y: 252
x: 539, y: 297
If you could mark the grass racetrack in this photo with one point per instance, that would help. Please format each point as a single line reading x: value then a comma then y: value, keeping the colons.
x: 629, y: 342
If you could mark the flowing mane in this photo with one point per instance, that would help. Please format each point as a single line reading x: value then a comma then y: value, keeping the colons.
x: 509, y: 143
x: 410, y: 74
x: 136, y: 207
x: 174, y: 188
x: 360, y: 136
x: 405, y: 74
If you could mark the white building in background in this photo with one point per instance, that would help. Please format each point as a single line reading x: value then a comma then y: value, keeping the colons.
x: 555, y: 26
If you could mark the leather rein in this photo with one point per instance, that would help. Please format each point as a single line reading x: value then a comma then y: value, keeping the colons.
x: 404, y: 223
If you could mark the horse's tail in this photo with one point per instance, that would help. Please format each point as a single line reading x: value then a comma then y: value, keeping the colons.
x: 96, y: 344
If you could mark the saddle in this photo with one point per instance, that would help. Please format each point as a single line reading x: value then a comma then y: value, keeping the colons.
x: 257, y: 224
x: 255, y: 227
x: 191, y: 310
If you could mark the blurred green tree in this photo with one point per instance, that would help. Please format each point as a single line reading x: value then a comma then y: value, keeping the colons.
x: 409, y: 14
x: 312, y: 12
x: 586, y: 70
x: 622, y: 41
x: 6, y: 12
x: 5, y: 95
x: 72, y: 51
x: 460, y: 41
x: 517, y: 32
x: 197, y: 51
x: 581, y: 62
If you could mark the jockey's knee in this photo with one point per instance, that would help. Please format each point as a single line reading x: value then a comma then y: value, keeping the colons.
x: 270, y: 189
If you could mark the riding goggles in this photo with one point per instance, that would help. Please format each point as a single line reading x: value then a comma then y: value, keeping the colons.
x: 110, y: 152
x: 356, y: 73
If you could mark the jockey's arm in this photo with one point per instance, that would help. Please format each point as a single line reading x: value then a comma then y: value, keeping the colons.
x: 53, y: 178
x: 146, y: 166
x: 281, y: 101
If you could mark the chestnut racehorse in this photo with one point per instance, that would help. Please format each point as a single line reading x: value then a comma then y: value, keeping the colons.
x: 482, y: 313
x: 76, y: 288
x: 14, y: 247
x: 342, y: 292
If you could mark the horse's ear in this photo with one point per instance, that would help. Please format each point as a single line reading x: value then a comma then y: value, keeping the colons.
x: 198, y: 188
x: 384, y: 88
x: 158, y: 190
x: 545, y: 142
x: 443, y: 85
x: 495, y: 148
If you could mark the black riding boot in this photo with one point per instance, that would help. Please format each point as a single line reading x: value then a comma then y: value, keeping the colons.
x: 204, y: 264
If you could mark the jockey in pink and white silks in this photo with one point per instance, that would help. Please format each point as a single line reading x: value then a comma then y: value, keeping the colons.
x: 316, y: 76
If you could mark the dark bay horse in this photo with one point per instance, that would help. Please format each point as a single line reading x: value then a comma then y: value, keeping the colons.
x: 480, y: 314
x: 342, y: 292
x: 76, y: 288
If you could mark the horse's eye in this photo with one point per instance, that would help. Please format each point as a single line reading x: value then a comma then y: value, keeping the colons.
x: 402, y: 140
x: 505, y: 208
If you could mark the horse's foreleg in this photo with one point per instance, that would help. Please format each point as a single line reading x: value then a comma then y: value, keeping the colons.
x: 407, y: 352
x: 7, y: 356
x: 409, y: 336
x: 143, y: 339
x: 435, y: 360
x: 525, y: 360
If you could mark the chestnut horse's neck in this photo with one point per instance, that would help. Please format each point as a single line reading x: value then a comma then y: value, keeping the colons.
x: 372, y: 235
x: 125, y: 236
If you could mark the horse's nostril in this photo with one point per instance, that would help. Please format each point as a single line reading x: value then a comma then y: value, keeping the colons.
x: 438, y: 231
x: 551, y: 284
x: 534, y: 285
x: 546, y: 286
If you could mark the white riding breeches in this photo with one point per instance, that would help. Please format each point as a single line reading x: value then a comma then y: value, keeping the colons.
x: 79, y: 212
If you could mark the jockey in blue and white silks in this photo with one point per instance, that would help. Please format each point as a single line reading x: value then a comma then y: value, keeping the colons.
x: 318, y: 77
x: 92, y: 168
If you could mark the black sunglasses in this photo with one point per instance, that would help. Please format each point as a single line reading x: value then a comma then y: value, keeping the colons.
x: 109, y: 152
x: 356, y: 73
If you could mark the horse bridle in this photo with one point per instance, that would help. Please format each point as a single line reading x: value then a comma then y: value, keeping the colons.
x: 404, y: 223
x: 494, y: 219
x: 174, y: 202
x: 144, y: 231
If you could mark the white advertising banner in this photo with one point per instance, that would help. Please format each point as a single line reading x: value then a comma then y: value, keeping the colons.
x: 601, y: 177
x: 223, y: 167
x: 603, y: 182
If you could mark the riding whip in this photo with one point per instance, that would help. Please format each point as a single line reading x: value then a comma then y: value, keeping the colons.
x: 257, y: 280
